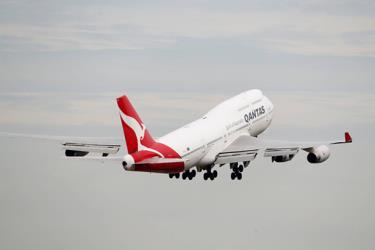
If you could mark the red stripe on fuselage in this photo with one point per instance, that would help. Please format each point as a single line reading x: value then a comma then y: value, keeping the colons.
x: 171, y: 167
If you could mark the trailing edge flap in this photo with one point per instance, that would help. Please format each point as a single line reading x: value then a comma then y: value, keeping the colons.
x: 271, y: 152
x: 73, y: 149
x: 244, y: 148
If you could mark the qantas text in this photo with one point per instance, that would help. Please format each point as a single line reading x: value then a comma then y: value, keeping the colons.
x: 254, y: 114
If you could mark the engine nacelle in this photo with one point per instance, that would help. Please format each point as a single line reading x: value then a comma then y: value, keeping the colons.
x: 282, y: 158
x: 318, y: 154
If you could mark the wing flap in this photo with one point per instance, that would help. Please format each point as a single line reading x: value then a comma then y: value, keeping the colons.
x: 244, y: 148
x: 229, y: 157
x: 272, y: 152
x: 74, y: 149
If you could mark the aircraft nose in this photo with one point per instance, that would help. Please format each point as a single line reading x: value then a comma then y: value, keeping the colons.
x: 269, y: 104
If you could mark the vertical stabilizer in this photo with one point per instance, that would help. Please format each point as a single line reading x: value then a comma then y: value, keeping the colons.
x: 136, y: 134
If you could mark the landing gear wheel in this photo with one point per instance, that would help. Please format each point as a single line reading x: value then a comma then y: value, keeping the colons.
x: 240, y: 168
x: 205, y: 176
x: 190, y: 177
x: 235, y: 169
x: 212, y: 177
x: 177, y: 175
x: 171, y: 176
x: 214, y: 173
x: 184, y: 176
x: 193, y: 173
x: 239, y: 176
x: 233, y: 176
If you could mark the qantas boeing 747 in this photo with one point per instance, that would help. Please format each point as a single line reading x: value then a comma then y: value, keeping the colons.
x: 227, y: 134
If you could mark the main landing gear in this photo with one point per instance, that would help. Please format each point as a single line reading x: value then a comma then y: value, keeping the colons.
x: 189, y: 174
x: 177, y: 175
x: 210, y: 175
x: 237, y: 170
x: 185, y: 175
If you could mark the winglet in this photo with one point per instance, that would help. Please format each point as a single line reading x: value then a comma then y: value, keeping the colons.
x: 348, y: 138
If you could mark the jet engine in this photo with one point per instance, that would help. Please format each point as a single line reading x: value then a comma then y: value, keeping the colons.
x: 318, y: 154
x: 282, y: 158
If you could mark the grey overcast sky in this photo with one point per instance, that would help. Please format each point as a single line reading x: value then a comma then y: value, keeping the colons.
x: 186, y: 45
x: 63, y: 63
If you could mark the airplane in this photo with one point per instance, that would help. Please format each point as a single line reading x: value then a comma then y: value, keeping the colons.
x: 226, y: 135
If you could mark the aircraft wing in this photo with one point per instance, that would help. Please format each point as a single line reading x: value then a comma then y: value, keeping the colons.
x: 246, y: 148
x: 77, y: 149
x: 80, y: 147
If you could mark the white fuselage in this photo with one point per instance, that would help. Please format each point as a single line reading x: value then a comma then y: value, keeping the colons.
x: 199, y: 142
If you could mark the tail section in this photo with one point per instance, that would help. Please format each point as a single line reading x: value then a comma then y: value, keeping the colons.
x: 144, y: 153
x: 136, y: 134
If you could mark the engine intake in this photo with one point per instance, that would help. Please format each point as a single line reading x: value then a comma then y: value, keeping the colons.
x: 318, y: 154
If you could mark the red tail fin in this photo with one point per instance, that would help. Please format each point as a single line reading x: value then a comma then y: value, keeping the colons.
x: 136, y: 133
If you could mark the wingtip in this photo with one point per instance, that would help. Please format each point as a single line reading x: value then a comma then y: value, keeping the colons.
x: 121, y: 97
x: 348, y: 137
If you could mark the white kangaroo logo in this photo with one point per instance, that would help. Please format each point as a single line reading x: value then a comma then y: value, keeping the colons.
x: 139, y: 131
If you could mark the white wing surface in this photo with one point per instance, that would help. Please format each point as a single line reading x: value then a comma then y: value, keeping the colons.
x: 246, y: 148
x: 81, y: 147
